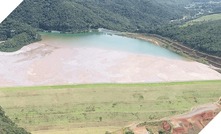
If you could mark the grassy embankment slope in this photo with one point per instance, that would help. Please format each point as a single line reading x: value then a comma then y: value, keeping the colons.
x: 98, y: 108
x: 206, y: 18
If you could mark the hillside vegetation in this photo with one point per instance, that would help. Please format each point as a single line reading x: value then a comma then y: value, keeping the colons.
x: 206, y: 18
x: 78, y: 15
x: 204, y: 36
x: 9, y: 127
x: 16, y: 34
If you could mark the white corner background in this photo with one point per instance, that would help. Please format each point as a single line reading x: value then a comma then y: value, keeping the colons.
x: 214, y: 127
x: 6, y: 7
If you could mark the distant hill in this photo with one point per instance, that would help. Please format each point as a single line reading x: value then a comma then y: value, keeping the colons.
x: 80, y: 15
x: 9, y: 127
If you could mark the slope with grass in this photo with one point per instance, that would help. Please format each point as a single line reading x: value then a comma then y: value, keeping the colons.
x: 101, y: 107
x: 206, y: 18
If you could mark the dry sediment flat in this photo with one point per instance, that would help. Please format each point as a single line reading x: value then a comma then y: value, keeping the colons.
x: 49, y: 64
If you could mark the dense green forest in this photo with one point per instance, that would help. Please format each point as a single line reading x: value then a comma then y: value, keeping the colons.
x: 9, y: 127
x: 16, y: 34
x: 78, y: 15
x: 204, y: 37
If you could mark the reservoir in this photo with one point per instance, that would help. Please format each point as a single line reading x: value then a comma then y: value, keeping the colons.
x: 96, y: 57
x: 109, y: 41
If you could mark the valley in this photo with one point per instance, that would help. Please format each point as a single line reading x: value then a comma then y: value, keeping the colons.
x: 108, y: 66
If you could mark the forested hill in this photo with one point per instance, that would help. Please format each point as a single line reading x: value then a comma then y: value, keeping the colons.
x: 81, y: 15
x: 203, y: 36
x: 9, y: 127
x: 20, y: 28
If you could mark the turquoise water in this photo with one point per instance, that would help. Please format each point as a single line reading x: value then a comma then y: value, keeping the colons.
x: 107, y: 41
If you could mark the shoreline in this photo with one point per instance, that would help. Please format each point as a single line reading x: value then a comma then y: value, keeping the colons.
x: 141, y: 37
x: 213, y: 61
x: 24, y: 49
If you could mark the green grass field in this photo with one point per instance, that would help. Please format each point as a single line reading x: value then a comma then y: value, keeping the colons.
x: 212, y: 17
x: 94, y: 109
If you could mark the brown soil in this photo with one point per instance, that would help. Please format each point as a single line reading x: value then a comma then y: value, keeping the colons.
x: 191, y: 122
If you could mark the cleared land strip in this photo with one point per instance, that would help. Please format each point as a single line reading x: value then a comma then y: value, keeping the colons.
x: 101, y: 107
x: 211, y: 17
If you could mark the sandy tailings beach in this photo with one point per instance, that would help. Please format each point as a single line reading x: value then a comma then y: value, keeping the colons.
x: 47, y: 64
